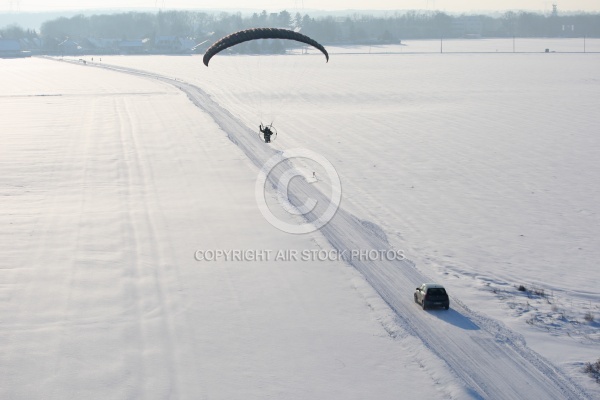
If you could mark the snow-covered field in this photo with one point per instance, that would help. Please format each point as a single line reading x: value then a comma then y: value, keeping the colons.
x: 481, y: 168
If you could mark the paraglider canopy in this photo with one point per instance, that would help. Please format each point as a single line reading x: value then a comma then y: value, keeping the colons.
x: 260, y: 33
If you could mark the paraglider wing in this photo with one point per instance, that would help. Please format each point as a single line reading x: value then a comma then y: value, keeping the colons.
x: 260, y: 33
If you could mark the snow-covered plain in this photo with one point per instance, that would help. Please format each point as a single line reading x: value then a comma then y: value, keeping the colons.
x: 482, y: 168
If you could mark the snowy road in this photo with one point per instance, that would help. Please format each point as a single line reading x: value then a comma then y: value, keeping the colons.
x: 489, y: 360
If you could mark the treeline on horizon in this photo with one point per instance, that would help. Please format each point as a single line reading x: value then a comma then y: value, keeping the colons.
x: 352, y: 29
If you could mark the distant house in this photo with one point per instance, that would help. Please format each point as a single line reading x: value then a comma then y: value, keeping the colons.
x: 102, y: 45
x: 34, y: 44
x: 132, y: 47
x: 201, y: 47
x: 10, y: 48
x: 174, y: 44
x: 187, y: 45
x: 69, y: 47
x: 165, y: 43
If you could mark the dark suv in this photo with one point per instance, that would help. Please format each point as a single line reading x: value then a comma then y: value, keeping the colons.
x: 432, y: 295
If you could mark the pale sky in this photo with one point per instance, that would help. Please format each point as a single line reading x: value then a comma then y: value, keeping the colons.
x: 298, y: 5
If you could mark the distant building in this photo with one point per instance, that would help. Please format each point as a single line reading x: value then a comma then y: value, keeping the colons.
x: 10, y: 48
x: 33, y: 44
x: 187, y: 45
x: 69, y: 47
x: 174, y: 44
x: 132, y: 47
x: 102, y: 45
x: 166, y: 44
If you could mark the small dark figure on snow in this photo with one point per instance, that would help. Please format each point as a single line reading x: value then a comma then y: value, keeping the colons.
x: 267, y: 132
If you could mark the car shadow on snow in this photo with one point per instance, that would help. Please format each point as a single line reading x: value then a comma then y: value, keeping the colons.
x: 455, y: 318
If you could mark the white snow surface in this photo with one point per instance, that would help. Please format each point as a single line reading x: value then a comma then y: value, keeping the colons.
x: 482, y: 168
x: 110, y: 184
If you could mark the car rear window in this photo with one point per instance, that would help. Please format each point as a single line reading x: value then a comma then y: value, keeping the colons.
x: 436, y: 291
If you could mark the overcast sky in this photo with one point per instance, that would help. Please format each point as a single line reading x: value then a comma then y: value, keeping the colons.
x: 278, y: 5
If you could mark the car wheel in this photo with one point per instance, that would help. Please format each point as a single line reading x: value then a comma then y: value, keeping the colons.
x: 424, y: 306
x: 447, y: 307
x: 416, y: 300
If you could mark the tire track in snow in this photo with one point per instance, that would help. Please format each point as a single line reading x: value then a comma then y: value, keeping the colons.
x: 154, y: 327
x: 490, y: 360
